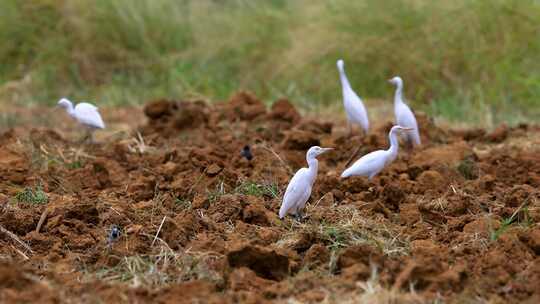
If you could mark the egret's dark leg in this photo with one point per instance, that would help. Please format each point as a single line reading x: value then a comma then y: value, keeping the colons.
x: 353, y: 155
x: 84, y: 139
x: 349, y: 129
x: 299, y: 215
x: 409, y: 145
x: 91, y: 137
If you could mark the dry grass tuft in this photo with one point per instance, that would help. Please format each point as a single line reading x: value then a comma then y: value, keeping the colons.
x: 164, y: 267
x: 349, y: 228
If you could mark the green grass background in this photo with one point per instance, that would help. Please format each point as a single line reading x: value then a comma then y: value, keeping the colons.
x: 462, y: 59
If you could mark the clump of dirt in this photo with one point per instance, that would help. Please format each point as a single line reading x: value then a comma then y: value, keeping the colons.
x: 245, y: 106
x: 360, y: 254
x: 20, y: 285
x: 266, y: 263
x: 283, y: 110
x: 167, y: 116
x: 499, y: 134
x: 457, y: 218
x: 316, y: 255
x: 190, y: 115
x: 300, y: 140
x: 14, y: 165
x: 159, y: 109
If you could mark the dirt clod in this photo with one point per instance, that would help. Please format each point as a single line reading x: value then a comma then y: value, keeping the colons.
x: 190, y: 115
x: 300, y: 140
x: 213, y: 169
x: 266, y: 263
x: 317, y: 255
x: 246, y: 106
x: 532, y: 239
x: 13, y: 166
x: 499, y: 134
x: 431, y: 180
x: 283, y: 110
x: 158, y: 108
x: 360, y: 254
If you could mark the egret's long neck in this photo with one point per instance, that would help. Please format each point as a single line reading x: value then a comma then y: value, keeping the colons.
x: 313, y: 167
x: 394, y: 144
x: 398, y: 95
x: 344, y: 80
x: 70, y: 110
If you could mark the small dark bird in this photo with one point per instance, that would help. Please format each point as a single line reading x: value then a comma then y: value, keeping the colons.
x: 246, y: 152
x: 114, y: 234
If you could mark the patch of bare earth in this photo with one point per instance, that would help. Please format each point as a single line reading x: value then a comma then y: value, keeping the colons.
x: 455, y: 220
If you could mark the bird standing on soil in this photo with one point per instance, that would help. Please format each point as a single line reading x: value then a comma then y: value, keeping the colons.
x: 404, y: 115
x: 86, y: 114
x: 299, y: 188
x: 372, y: 163
x: 356, y: 112
x: 114, y: 234
x: 246, y: 152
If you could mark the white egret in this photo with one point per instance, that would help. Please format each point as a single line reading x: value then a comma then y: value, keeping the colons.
x: 404, y: 115
x: 299, y: 188
x: 372, y: 163
x: 85, y: 113
x: 356, y: 112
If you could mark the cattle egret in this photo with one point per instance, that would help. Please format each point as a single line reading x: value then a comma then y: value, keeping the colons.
x: 356, y: 112
x: 299, y: 188
x: 404, y: 115
x: 372, y: 163
x: 85, y: 113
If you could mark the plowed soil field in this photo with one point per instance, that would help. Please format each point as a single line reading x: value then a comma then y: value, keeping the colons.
x: 169, y: 211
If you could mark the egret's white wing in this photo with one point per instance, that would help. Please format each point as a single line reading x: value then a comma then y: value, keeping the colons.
x: 367, y: 164
x: 405, y: 118
x: 89, y: 105
x: 297, y: 193
x: 356, y: 111
x: 88, y: 114
x: 301, y: 203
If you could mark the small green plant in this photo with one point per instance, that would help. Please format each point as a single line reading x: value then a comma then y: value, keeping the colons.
x: 75, y: 165
x: 526, y: 219
x: 467, y: 168
x: 183, y: 203
x: 505, y: 224
x: 336, y: 237
x: 213, y: 196
x: 252, y: 188
x: 34, y: 196
x: 272, y: 190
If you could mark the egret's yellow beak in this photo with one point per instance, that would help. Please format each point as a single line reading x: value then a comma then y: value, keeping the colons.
x: 324, y: 150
